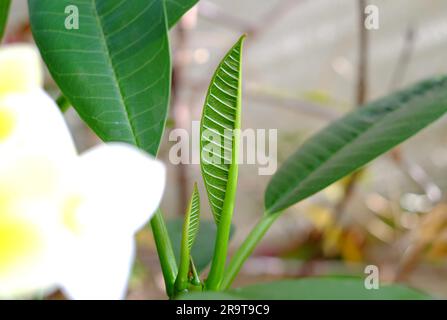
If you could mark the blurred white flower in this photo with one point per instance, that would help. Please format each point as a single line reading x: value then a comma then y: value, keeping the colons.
x: 110, y: 193
x: 66, y: 221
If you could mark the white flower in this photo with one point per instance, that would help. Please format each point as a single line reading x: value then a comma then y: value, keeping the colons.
x: 112, y: 190
x: 65, y: 220
x: 29, y: 121
x: 28, y: 227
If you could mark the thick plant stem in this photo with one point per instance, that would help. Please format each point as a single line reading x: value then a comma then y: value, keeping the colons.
x: 165, y: 251
x: 220, y: 253
x: 223, y: 229
x: 247, y: 248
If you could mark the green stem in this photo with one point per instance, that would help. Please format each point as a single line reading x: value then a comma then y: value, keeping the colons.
x: 195, y: 275
x: 247, y: 248
x: 165, y: 251
x: 219, y: 259
x: 223, y: 236
x: 63, y: 103
x: 181, y: 283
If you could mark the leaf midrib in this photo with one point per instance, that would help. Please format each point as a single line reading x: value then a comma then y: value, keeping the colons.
x: 116, y: 83
x: 217, y: 216
x: 292, y: 190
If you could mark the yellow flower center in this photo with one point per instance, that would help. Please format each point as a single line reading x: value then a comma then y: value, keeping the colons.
x: 20, y: 242
x: 7, y: 122
x: 69, y: 213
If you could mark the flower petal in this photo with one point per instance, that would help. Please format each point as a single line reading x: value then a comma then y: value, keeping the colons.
x: 98, y: 268
x: 26, y: 258
x: 28, y: 228
x: 20, y: 69
x: 117, y: 188
x: 32, y: 123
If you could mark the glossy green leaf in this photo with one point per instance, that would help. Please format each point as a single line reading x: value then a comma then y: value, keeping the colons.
x: 202, y: 250
x: 351, y: 142
x: 175, y: 9
x: 115, y: 68
x: 189, y: 233
x: 218, y: 141
x: 4, y: 11
x: 324, y: 288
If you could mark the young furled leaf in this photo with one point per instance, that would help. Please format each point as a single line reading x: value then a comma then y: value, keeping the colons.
x: 192, y: 218
x: 189, y: 233
x: 219, y: 146
x: 219, y: 143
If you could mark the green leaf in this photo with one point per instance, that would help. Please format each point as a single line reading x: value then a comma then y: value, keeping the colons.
x: 4, y: 11
x: 202, y: 250
x: 192, y: 219
x: 175, y: 9
x: 115, y: 69
x: 189, y: 233
x: 324, y: 288
x: 218, y: 141
x: 351, y: 142
x: 219, y: 146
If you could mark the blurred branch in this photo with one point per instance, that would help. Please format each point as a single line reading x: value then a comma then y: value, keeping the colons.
x: 271, y: 17
x: 423, y: 237
x: 361, y: 93
x: 404, y: 59
x: 20, y: 34
x: 348, y: 193
x: 215, y: 13
x: 414, y: 171
x: 362, y: 65
x: 179, y: 110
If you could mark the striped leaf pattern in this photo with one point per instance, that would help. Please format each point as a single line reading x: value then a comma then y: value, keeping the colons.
x: 351, y: 142
x: 189, y: 232
x: 220, y: 117
x: 192, y: 218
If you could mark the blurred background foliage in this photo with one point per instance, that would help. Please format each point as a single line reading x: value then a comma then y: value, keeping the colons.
x: 302, y: 65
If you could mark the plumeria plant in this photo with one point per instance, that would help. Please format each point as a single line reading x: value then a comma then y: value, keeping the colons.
x: 68, y: 221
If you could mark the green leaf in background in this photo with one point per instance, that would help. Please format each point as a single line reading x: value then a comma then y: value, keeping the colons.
x: 175, y: 9
x: 189, y: 233
x: 324, y: 288
x: 4, y: 11
x: 351, y: 142
x: 202, y: 250
x: 218, y: 142
x: 115, y: 69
